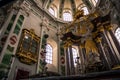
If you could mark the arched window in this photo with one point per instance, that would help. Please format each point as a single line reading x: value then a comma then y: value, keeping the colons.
x: 117, y: 34
x: 51, y: 10
x: 49, y: 52
x: 85, y: 10
x: 94, y: 2
x: 74, y: 51
x: 67, y: 16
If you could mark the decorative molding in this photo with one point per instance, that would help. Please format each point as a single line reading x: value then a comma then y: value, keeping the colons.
x: 25, y: 56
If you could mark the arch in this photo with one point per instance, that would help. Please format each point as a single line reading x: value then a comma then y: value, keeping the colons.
x: 67, y: 15
x: 84, y: 8
x: 53, y: 7
x: 49, y: 53
x: 94, y: 2
x: 54, y: 55
x: 52, y: 11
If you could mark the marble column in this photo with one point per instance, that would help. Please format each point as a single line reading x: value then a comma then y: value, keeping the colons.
x: 10, y: 33
x: 3, y: 30
x: 82, y: 58
x: 7, y: 42
x: 115, y: 44
x: 71, y: 60
x: 58, y: 54
x: 67, y: 61
x: 5, y: 25
x: 40, y: 46
x: 102, y: 52
x: 106, y: 40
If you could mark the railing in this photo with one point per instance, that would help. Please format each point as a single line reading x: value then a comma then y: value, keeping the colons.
x: 106, y: 75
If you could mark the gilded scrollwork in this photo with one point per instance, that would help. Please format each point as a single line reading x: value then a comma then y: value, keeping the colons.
x: 90, y: 46
x: 98, y: 39
x: 80, y: 32
x: 28, y: 47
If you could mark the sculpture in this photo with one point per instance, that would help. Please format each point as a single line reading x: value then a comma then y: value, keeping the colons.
x: 80, y: 31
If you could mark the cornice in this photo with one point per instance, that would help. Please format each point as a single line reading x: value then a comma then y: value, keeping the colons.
x: 45, y: 11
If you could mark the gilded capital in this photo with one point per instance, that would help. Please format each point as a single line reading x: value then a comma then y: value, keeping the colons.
x: 67, y: 43
x: 82, y: 45
x: 99, y: 39
x: 109, y: 27
x: 101, y: 29
x: 98, y: 24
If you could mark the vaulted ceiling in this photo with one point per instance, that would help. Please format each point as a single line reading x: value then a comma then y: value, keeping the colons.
x: 63, y: 4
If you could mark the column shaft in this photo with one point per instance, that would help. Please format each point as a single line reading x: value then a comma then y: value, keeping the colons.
x: 103, y: 54
x: 81, y: 52
x: 67, y: 61
x: 112, y: 52
x: 71, y: 60
x: 115, y: 45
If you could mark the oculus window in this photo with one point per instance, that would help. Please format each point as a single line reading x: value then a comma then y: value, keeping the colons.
x: 49, y: 52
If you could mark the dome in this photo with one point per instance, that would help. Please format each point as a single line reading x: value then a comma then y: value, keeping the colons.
x: 65, y: 9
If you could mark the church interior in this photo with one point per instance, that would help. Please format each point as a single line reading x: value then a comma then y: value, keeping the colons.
x: 59, y: 39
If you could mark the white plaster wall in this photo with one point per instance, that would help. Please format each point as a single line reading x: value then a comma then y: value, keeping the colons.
x: 19, y: 65
x: 33, y: 22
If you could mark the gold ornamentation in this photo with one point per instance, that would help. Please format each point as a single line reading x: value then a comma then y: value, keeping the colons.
x: 82, y: 28
x: 101, y: 29
x: 68, y: 43
x: 27, y: 56
x: 78, y: 14
x: 109, y: 27
x: 98, y: 24
x: 94, y: 34
x: 82, y: 45
x: 90, y: 46
x: 116, y: 67
x: 98, y: 40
